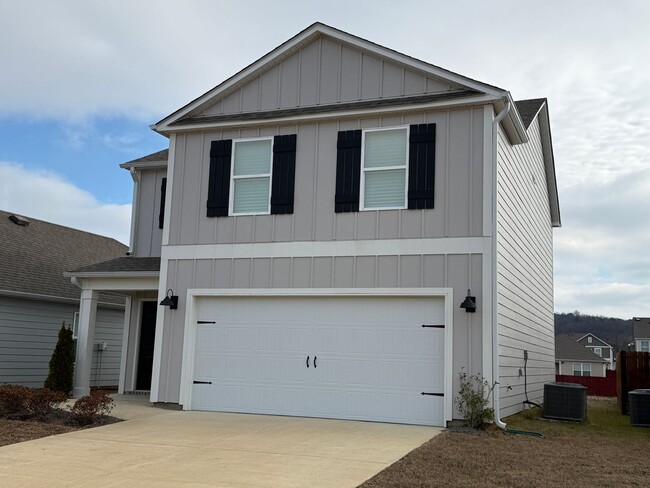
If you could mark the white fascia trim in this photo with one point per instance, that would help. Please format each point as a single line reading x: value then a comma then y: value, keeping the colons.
x: 145, y: 165
x: 135, y: 283
x: 337, y: 114
x: 189, y: 339
x: 595, y: 337
x: 377, y: 247
x: 304, y: 37
x: 50, y: 298
x: 111, y: 274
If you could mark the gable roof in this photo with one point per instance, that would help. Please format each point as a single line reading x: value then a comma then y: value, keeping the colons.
x: 568, y: 349
x: 598, y: 342
x: 33, y: 257
x: 537, y: 108
x: 512, y: 123
x: 641, y: 328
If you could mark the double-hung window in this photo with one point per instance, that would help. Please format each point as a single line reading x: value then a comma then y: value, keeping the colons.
x: 598, y: 351
x: 581, y: 369
x: 644, y: 346
x: 250, y: 191
x: 384, y: 168
x: 252, y: 176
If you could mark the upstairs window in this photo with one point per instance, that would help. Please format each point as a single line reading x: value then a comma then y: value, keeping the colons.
x: 644, y: 346
x: 250, y: 190
x: 598, y: 351
x: 387, y: 168
x: 385, y: 162
x: 252, y: 176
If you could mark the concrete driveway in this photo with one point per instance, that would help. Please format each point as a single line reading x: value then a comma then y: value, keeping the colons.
x: 158, y: 447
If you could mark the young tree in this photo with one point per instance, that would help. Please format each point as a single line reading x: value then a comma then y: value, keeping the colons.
x: 61, y: 373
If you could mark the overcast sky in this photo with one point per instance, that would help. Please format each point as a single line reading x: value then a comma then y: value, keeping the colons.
x: 81, y: 81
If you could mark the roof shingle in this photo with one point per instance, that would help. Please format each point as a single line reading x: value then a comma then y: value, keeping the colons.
x: 123, y: 264
x: 33, y: 257
x: 568, y: 349
x: 528, y: 109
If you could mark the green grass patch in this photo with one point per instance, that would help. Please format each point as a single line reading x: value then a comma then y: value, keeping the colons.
x: 603, y: 420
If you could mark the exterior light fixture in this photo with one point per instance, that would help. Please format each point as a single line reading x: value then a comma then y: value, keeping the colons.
x: 170, y: 300
x: 470, y: 303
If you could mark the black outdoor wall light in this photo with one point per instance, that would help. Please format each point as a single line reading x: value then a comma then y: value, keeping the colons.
x: 470, y: 303
x: 170, y: 300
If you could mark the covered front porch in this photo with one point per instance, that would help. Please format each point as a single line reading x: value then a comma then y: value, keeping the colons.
x: 138, y: 280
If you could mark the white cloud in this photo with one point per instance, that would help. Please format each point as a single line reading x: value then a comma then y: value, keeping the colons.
x: 47, y: 196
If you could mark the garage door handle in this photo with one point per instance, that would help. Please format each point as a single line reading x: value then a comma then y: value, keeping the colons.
x: 315, y: 365
x: 308, y: 361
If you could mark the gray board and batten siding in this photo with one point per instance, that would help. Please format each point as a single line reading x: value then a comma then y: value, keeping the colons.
x: 525, y: 271
x: 147, y: 236
x: 458, y: 213
x: 29, y: 331
x: 325, y: 71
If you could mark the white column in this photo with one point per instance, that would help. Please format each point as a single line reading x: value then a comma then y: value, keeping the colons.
x: 87, y: 313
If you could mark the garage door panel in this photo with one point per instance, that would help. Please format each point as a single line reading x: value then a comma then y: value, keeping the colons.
x: 374, y: 357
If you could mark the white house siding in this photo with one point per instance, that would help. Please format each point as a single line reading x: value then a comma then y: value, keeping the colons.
x: 325, y: 72
x: 525, y: 272
x: 597, y: 369
x: 147, y: 234
x: 109, y: 326
x: 28, y: 334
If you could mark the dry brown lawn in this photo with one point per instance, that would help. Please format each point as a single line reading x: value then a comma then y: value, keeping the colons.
x: 605, y: 451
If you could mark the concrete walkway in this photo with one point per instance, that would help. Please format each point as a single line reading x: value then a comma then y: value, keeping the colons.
x: 158, y: 447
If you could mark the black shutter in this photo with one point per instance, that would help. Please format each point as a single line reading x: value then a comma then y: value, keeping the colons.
x: 284, y: 174
x: 219, y: 183
x: 422, y: 165
x: 348, y: 171
x: 163, y: 192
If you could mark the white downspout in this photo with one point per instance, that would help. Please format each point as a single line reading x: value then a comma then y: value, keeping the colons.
x: 495, y: 333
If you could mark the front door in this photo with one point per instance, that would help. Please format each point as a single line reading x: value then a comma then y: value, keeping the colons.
x: 145, y: 351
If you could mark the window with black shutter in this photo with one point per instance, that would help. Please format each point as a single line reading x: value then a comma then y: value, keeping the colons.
x: 252, y: 176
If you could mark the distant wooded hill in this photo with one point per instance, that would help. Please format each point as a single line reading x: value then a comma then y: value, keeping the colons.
x: 617, y: 332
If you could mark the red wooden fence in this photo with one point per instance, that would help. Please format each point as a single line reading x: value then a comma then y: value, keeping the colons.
x: 633, y: 372
x: 596, y: 386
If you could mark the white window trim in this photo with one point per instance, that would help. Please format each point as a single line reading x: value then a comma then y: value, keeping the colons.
x: 644, y: 344
x: 231, y: 195
x: 362, y: 190
x: 598, y: 351
x: 582, y: 367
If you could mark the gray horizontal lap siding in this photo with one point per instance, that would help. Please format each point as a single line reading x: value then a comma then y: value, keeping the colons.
x: 458, y: 188
x: 525, y: 272
x: 28, y: 334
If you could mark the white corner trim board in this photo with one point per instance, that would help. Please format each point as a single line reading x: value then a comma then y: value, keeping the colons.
x: 375, y: 247
x: 433, y: 367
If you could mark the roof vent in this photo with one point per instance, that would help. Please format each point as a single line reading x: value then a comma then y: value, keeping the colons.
x: 19, y: 220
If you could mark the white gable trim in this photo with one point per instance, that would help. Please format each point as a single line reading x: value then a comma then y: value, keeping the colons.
x: 305, y: 37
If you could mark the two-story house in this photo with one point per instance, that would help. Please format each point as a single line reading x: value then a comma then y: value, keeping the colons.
x: 340, y: 230
x: 642, y: 334
x: 598, y: 346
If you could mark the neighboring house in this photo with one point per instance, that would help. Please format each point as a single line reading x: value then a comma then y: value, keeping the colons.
x: 598, y: 346
x: 642, y: 334
x: 319, y: 218
x: 36, y: 299
x: 572, y: 358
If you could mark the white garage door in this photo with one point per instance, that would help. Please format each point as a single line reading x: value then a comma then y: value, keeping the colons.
x: 365, y: 358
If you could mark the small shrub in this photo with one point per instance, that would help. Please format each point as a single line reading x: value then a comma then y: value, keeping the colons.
x: 473, y: 400
x: 41, y: 402
x: 20, y: 402
x: 61, y: 375
x: 13, y: 399
x: 90, y: 408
